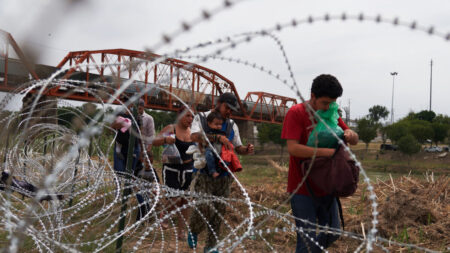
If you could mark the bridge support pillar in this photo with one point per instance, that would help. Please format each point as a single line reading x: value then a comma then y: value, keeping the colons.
x: 246, y: 130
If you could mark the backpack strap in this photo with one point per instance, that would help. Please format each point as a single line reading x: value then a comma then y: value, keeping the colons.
x: 229, y: 128
x: 203, y: 121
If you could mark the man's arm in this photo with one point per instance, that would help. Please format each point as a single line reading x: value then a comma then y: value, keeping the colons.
x: 150, y: 133
x: 302, y: 151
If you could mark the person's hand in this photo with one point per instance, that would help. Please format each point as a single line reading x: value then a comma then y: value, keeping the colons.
x: 169, y: 140
x: 215, y: 174
x: 351, y: 137
x: 224, y: 140
x: 325, y: 152
x: 250, y: 149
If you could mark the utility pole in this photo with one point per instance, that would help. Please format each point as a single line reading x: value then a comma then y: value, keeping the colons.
x: 393, y: 74
x: 347, y: 113
x: 431, y: 81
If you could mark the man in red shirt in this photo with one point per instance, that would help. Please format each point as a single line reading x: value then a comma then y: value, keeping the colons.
x: 297, y: 126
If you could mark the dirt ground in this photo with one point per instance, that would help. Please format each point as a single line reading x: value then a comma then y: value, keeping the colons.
x: 412, y: 210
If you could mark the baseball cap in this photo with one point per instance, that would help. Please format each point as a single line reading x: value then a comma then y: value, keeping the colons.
x: 230, y: 99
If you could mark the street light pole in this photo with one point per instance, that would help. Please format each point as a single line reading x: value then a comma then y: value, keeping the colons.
x: 393, y: 74
x: 431, y: 81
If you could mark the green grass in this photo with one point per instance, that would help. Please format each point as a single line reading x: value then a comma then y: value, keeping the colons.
x: 422, y: 165
x: 256, y: 174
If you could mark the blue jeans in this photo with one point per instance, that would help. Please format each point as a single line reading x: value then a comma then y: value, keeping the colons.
x: 319, y: 210
x: 211, y: 163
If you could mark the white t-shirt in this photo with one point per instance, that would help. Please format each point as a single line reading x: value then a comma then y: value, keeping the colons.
x: 197, y: 128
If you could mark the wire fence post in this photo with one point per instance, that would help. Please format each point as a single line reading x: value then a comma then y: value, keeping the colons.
x: 89, y: 163
x: 74, y: 177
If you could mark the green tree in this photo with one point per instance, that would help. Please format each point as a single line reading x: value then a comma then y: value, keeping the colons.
x: 276, y: 137
x: 162, y: 118
x: 66, y: 114
x: 77, y: 117
x: 410, y: 116
x: 443, y: 119
x: 263, y: 133
x: 397, y: 131
x: 440, y: 132
x: 367, y: 130
x: 271, y: 133
x: 89, y: 111
x: 421, y: 130
x: 409, y: 145
x: 426, y: 115
x: 378, y: 112
x: 383, y: 131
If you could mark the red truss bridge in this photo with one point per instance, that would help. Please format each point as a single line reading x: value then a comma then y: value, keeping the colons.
x: 107, y: 70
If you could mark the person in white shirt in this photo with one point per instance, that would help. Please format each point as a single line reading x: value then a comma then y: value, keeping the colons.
x: 147, y: 129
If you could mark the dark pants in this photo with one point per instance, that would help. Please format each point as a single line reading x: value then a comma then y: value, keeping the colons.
x: 319, y: 210
x: 213, y: 211
x: 120, y: 165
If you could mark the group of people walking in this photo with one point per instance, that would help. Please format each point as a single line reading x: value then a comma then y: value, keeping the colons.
x: 309, y: 204
x: 188, y: 135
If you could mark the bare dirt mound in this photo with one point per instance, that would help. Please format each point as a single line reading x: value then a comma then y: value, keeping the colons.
x: 411, y: 210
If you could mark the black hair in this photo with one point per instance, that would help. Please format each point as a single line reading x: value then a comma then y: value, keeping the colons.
x: 326, y: 86
x: 213, y: 115
x: 182, y: 109
x: 123, y: 98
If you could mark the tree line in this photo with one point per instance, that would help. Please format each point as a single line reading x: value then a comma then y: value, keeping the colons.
x: 409, y: 133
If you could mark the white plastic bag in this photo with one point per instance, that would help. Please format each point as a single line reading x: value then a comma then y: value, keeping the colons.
x: 171, y: 155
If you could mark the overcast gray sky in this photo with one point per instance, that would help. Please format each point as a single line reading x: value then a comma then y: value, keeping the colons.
x: 360, y: 54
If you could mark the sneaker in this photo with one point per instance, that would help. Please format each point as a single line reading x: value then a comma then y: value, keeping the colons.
x: 210, y: 250
x: 192, y: 240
